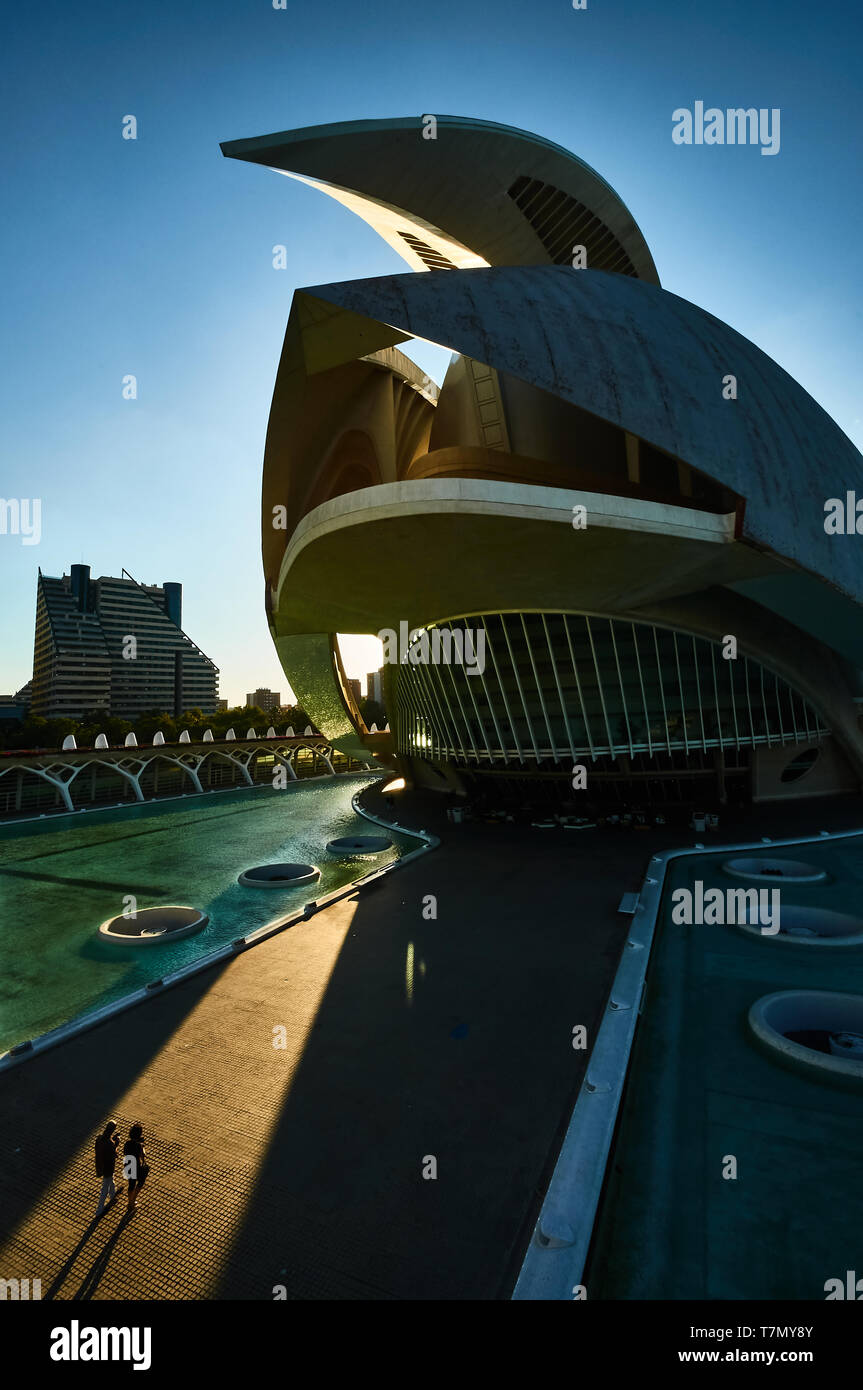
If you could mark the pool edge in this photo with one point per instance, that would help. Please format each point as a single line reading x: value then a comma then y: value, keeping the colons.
x: 554, y: 1261
x: 35, y: 1047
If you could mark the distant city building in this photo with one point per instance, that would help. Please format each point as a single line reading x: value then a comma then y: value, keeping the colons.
x: 357, y: 689
x: 264, y: 699
x: 374, y: 686
x: 221, y: 705
x: 117, y: 647
x: 16, y: 706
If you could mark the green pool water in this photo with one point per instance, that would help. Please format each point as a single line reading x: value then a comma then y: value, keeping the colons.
x: 61, y: 877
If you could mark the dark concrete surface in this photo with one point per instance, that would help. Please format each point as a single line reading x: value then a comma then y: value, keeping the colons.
x: 405, y: 1039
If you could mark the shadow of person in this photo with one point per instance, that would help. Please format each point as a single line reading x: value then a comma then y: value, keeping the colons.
x: 67, y: 1268
x: 91, y: 1280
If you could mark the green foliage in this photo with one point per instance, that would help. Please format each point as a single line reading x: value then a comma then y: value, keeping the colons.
x: 373, y: 712
x: 37, y: 733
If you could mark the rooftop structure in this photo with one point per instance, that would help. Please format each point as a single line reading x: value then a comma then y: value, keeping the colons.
x: 264, y: 699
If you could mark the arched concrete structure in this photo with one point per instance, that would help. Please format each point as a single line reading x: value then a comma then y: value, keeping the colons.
x: 478, y: 193
x: 698, y: 469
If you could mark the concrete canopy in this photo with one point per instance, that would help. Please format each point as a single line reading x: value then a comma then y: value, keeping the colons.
x: 478, y: 193
x: 652, y: 364
x: 450, y: 546
x: 624, y: 351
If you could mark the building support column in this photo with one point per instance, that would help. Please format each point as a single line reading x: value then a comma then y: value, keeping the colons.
x: 719, y: 766
x: 285, y: 761
x: 633, y: 457
x: 130, y: 777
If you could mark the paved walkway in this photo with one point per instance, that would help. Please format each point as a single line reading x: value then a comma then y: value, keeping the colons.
x: 302, y: 1166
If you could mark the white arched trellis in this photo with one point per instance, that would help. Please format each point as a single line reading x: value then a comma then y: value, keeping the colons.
x: 131, y: 762
x: 52, y: 775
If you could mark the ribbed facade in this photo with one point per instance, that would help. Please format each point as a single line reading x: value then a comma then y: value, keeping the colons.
x: 560, y: 687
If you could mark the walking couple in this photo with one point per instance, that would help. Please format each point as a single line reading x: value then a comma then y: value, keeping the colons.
x: 135, y: 1165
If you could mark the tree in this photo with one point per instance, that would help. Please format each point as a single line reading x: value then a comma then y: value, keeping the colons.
x: 373, y: 712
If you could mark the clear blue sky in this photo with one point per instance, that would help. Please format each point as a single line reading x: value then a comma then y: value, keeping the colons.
x: 153, y: 257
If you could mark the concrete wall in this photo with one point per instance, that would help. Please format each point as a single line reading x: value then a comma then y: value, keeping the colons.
x: 652, y: 364
x: 830, y: 774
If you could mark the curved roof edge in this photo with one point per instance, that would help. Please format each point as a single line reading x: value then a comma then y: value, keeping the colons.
x: 649, y: 362
x: 500, y: 195
x: 240, y: 149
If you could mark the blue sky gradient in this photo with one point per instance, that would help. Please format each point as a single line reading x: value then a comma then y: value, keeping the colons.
x: 154, y: 257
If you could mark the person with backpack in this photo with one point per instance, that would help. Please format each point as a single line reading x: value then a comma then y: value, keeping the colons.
x: 106, y: 1157
x: 135, y: 1165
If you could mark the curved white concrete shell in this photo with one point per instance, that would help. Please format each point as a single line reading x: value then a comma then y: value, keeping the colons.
x: 472, y: 193
x: 601, y: 452
x: 652, y: 364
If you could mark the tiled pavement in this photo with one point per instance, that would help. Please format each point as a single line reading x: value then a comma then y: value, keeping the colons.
x: 302, y: 1167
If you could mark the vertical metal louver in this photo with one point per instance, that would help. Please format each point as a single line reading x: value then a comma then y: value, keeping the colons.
x: 433, y: 260
x: 561, y: 222
x: 557, y: 686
